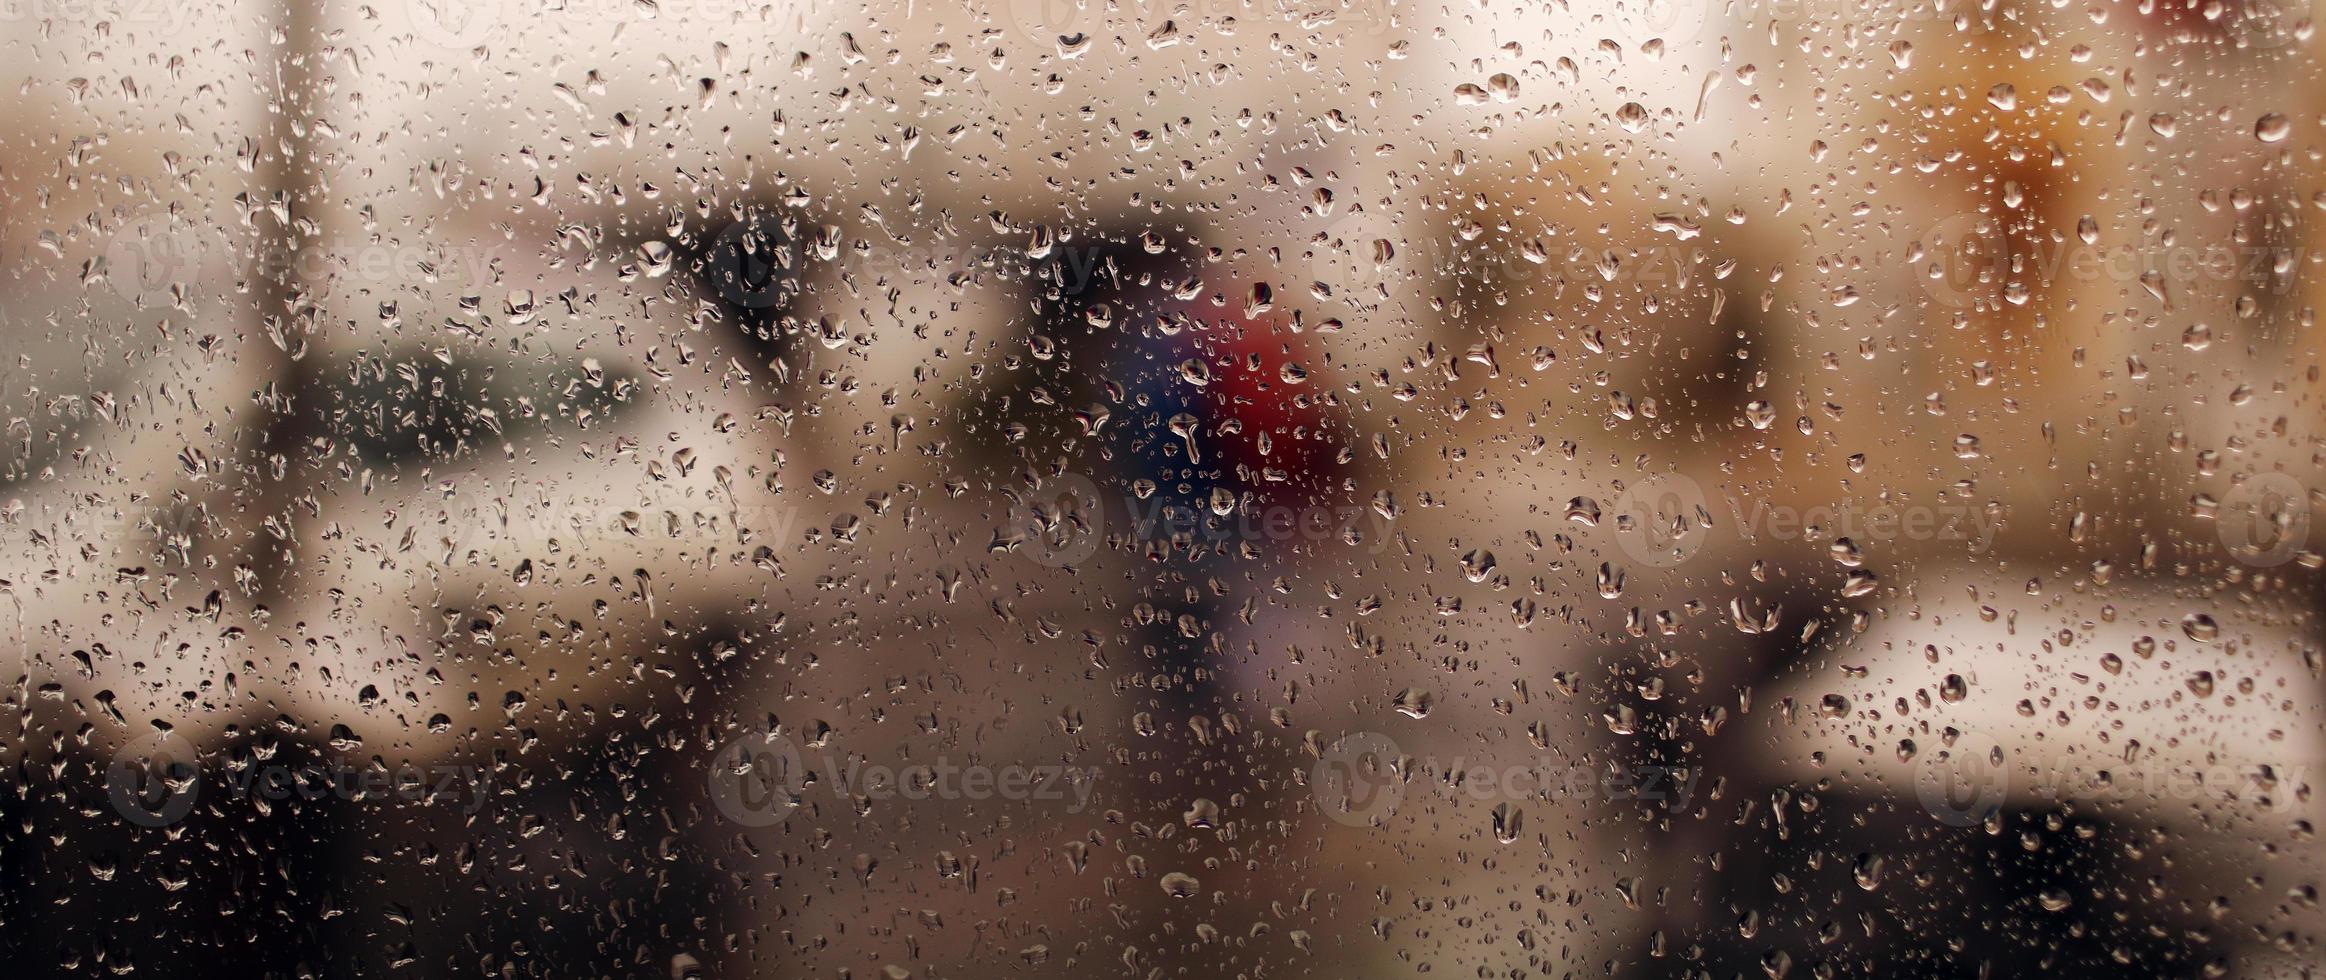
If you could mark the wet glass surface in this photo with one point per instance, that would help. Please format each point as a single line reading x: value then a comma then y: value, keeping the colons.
x: 1217, y: 489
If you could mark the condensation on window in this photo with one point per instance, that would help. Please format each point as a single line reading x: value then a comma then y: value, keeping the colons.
x: 1161, y: 489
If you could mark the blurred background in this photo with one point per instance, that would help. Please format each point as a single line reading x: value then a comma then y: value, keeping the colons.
x: 1225, y: 488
